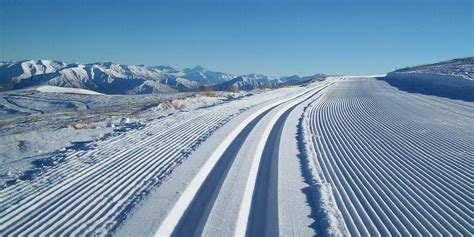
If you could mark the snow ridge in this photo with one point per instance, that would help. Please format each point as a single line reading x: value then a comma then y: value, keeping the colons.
x: 111, y: 78
x: 327, y: 215
x: 454, y: 73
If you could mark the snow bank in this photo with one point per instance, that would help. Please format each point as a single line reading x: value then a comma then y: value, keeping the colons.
x: 452, y: 79
x: 66, y: 90
x: 329, y: 216
x: 433, y: 78
x: 456, y: 73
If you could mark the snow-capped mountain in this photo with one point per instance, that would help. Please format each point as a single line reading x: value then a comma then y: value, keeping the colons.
x: 201, y: 75
x: 111, y: 78
x: 10, y: 71
x: 256, y: 81
x: 240, y: 83
x: 104, y: 77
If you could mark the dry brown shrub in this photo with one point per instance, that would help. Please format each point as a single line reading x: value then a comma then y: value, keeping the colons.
x: 209, y: 92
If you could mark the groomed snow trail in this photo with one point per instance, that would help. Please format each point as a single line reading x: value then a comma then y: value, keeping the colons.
x: 387, y: 162
x: 206, y: 207
x: 93, y: 189
x: 78, y: 198
x: 398, y: 163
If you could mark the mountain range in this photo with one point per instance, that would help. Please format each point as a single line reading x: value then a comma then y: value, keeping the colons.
x: 111, y: 78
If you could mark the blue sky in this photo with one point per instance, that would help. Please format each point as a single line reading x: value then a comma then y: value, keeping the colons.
x: 273, y: 37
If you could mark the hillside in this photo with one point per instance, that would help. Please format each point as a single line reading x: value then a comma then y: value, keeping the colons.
x: 111, y: 78
x: 453, y: 78
x: 462, y: 67
x: 105, y: 77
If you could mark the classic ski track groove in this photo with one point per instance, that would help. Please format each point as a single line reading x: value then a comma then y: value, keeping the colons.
x: 248, y: 202
x: 258, y: 223
x: 179, y: 211
x: 398, y: 164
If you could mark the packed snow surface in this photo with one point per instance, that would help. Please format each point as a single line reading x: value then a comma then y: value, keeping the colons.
x: 91, y: 190
x: 37, y: 127
x: 398, y: 163
x: 344, y: 156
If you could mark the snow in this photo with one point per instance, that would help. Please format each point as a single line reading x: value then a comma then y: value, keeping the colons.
x: 158, y: 137
x: 36, y: 127
x: 56, y: 89
x: 158, y: 202
x: 346, y: 156
x: 395, y: 162
x: 434, y: 78
x: 31, y: 150
x: 327, y: 217
x: 461, y: 67
x: 454, y: 73
x: 243, y: 217
x: 111, y: 78
x: 184, y: 201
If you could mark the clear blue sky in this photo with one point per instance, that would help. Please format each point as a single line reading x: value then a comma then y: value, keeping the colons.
x: 284, y: 37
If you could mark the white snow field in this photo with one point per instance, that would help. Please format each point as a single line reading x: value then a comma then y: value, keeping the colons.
x: 397, y: 163
x: 57, y: 89
x: 37, y: 128
x: 92, y: 190
x: 346, y: 156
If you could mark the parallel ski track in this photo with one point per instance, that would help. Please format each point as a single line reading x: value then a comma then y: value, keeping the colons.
x: 195, y: 216
x: 263, y: 219
x: 391, y: 175
x: 192, y: 223
x: 77, y: 197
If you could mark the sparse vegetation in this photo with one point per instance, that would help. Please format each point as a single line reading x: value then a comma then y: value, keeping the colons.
x: 85, y: 121
x: 176, y: 104
x: 234, y: 89
x: 209, y: 92
x: 269, y: 86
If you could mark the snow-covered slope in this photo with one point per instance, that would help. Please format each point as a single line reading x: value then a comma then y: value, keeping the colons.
x: 15, y: 71
x: 65, y: 90
x: 133, y: 165
x: 201, y: 75
x: 239, y: 83
x: 257, y: 81
x: 111, y: 78
x: 105, y: 77
x: 343, y: 157
x: 453, y: 73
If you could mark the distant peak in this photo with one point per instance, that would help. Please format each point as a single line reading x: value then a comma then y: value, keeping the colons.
x: 106, y: 64
x: 199, y: 68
